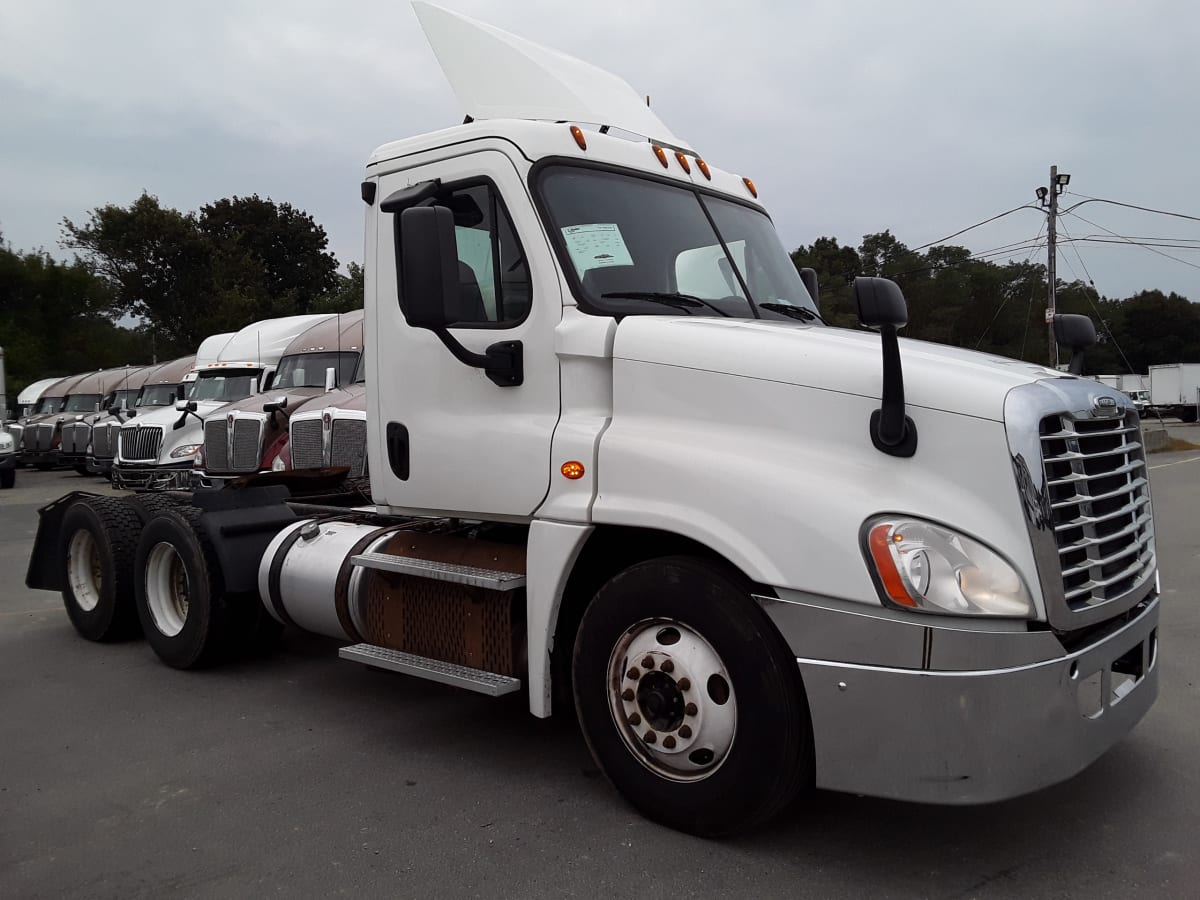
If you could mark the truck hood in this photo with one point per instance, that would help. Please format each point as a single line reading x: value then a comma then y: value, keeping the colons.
x: 833, y: 359
x: 165, y: 417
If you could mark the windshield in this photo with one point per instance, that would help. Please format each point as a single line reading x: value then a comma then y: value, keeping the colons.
x: 159, y: 395
x: 82, y: 403
x: 308, y: 369
x: 639, y: 246
x: 123, y: 399
x: 49, y: 405
x: 225, y: 387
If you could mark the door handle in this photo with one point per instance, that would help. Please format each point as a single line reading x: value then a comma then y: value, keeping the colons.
x: 397, y: 449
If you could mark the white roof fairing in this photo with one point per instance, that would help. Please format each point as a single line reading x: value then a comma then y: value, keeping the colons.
x: 497, y: 75
x: 33, y: 392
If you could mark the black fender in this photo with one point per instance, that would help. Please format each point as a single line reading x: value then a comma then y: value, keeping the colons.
x: 45, y: 571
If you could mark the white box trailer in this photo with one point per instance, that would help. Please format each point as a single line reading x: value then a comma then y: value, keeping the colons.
x: 596, y: 481
x: 1175, y: 389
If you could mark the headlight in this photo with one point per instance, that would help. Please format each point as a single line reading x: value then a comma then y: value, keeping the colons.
x: 184, y: 450
x: 924, y: 567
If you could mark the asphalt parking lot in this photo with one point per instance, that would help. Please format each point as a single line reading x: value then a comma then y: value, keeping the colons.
x: 303, y: 775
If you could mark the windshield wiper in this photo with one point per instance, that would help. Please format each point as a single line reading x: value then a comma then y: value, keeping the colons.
x: 795, y: 312
x: 667, y: 298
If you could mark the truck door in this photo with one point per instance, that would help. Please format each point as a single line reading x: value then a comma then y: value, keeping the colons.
x: 445, y: 437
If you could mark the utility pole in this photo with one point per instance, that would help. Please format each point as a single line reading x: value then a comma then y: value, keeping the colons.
x: 1048, y: 197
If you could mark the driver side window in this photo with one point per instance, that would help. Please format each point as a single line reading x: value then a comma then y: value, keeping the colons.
x: 494, y: 283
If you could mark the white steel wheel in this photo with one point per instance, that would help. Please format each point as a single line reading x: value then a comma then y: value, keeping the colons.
x: 672, y: 700
x: 167, y: 589
x: 84, y: 570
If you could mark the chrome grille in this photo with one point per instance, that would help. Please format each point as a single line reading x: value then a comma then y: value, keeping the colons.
x: 140, y: 443
x: 43, y: 437
x: 348, y: 445
x: 75, y: 438
x: 18, y: 435
x: 216, y: 445
x: 247, y: 444
x: 306, y: 444
x: 102, y: 441
x: 1100, y: 501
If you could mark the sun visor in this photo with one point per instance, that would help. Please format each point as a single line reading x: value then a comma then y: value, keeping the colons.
x: 497, y: 75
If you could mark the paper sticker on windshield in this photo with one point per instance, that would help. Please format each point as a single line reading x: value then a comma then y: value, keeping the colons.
x: 596, y: 246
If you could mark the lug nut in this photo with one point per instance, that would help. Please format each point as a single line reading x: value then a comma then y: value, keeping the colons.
x: 668, y: 666
x: 685, y: 731
x: 669, y: 742
x: 633, y: 673
x: 648, y: 662
x: 635, y: 720
x: 684, y: 684
x: 627, y: 695
x: 650, y: 737
x: 690, y: 709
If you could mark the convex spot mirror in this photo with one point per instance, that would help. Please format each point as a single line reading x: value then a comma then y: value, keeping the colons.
x: 429, y: 283
x: 880, y: 302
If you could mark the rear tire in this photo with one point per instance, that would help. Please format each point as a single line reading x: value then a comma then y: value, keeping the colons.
x: 180, y: 593
x: 99, y: 543
x: 689, y: 699
x: 8, y: 478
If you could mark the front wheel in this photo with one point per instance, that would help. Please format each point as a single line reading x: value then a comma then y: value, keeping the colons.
x: 8, y: 478
x: 689, y: 699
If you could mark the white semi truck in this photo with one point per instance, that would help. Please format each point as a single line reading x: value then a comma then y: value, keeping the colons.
x: 156, y: 451
x: 618, y: 463
x: 1175, y: 390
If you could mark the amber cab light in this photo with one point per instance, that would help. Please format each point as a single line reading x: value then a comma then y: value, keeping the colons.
x: 750, y: 187
x: 572, y: 469
x: 703, y: 167
x: 577, y: 133
x: 683, y: 161
x: 661, y: 154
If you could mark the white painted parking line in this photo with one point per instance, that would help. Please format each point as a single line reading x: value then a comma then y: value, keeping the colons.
x: 1178, y: 462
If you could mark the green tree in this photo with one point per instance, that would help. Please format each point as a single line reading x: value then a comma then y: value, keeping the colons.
x: 347, y: 294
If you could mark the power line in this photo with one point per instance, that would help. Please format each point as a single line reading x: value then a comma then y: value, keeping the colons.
x: 1161, y: 212
x: 972, y: 227
x: 1135, y: 243
x: 1071, y: 241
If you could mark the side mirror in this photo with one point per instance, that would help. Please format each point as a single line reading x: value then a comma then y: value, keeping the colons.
x: 1078, y: 333
x: 429, y: 267
x: 330, y: 379
x: 809, y: 277
x: 277, y: 405
x: 185, y: 406
x: 880, y: 302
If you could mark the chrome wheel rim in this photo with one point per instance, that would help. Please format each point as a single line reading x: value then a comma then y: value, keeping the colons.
x: 84, y: 571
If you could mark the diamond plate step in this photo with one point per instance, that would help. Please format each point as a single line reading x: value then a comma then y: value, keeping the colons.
x: 440, y: 571
x: 432, y: 669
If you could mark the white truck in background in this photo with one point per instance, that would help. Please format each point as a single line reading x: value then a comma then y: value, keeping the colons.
x: 598, y: 479
x: 1175, y: 390
x: 157, y: 451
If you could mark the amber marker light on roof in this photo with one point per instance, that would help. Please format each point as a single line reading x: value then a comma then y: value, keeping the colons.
x: 750, y: 187
x: 661, y: 154
x: 577, y: 133
x: 687, y: 167
x: 572, y: 470
x: 703, y: 167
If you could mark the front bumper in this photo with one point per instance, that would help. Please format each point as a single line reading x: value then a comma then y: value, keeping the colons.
x: 40, y: 457
x: 152, y: 478
x: 979, y: 735
x: 99, y: 465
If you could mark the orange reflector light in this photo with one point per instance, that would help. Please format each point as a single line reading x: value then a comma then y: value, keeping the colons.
x: 703, y: 166
x: 750, y: 187
x: 577, y: 133
x: 886, y: 566
x: 572, y: 469
x: 661, y: 154
x: 683, y: 162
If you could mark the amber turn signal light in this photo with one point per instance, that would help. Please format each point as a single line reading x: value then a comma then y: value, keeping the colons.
x: 572, y: 469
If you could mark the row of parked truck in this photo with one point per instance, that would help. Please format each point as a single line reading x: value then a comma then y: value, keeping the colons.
x: 277, y: 395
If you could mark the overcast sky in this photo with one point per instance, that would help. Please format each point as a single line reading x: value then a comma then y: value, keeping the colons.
x: 851, y: 115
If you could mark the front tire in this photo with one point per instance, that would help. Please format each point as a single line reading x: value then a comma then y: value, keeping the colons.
x: 8, y: 478
x: 180, y: 592
x: 99, y: 542
x: 689, y: 699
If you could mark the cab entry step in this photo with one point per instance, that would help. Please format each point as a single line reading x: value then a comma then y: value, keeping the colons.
x: 440, y: 571
x: 431, y: 669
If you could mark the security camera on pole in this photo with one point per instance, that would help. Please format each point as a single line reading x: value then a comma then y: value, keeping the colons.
x: 1049, y: 197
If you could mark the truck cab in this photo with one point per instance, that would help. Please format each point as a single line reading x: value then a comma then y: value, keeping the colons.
x: 153, y: 387
x: 41, y: 435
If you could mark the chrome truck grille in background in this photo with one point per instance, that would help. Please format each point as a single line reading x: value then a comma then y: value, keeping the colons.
x: 1081, y: 473
x: 75, y: 438
x: 43, y: 437
x: 18, y: 435
x: 102, y: 440
x: 140, y: 444
x: 307, y: 443
x: 233, y: 442
x: 332, y: 437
